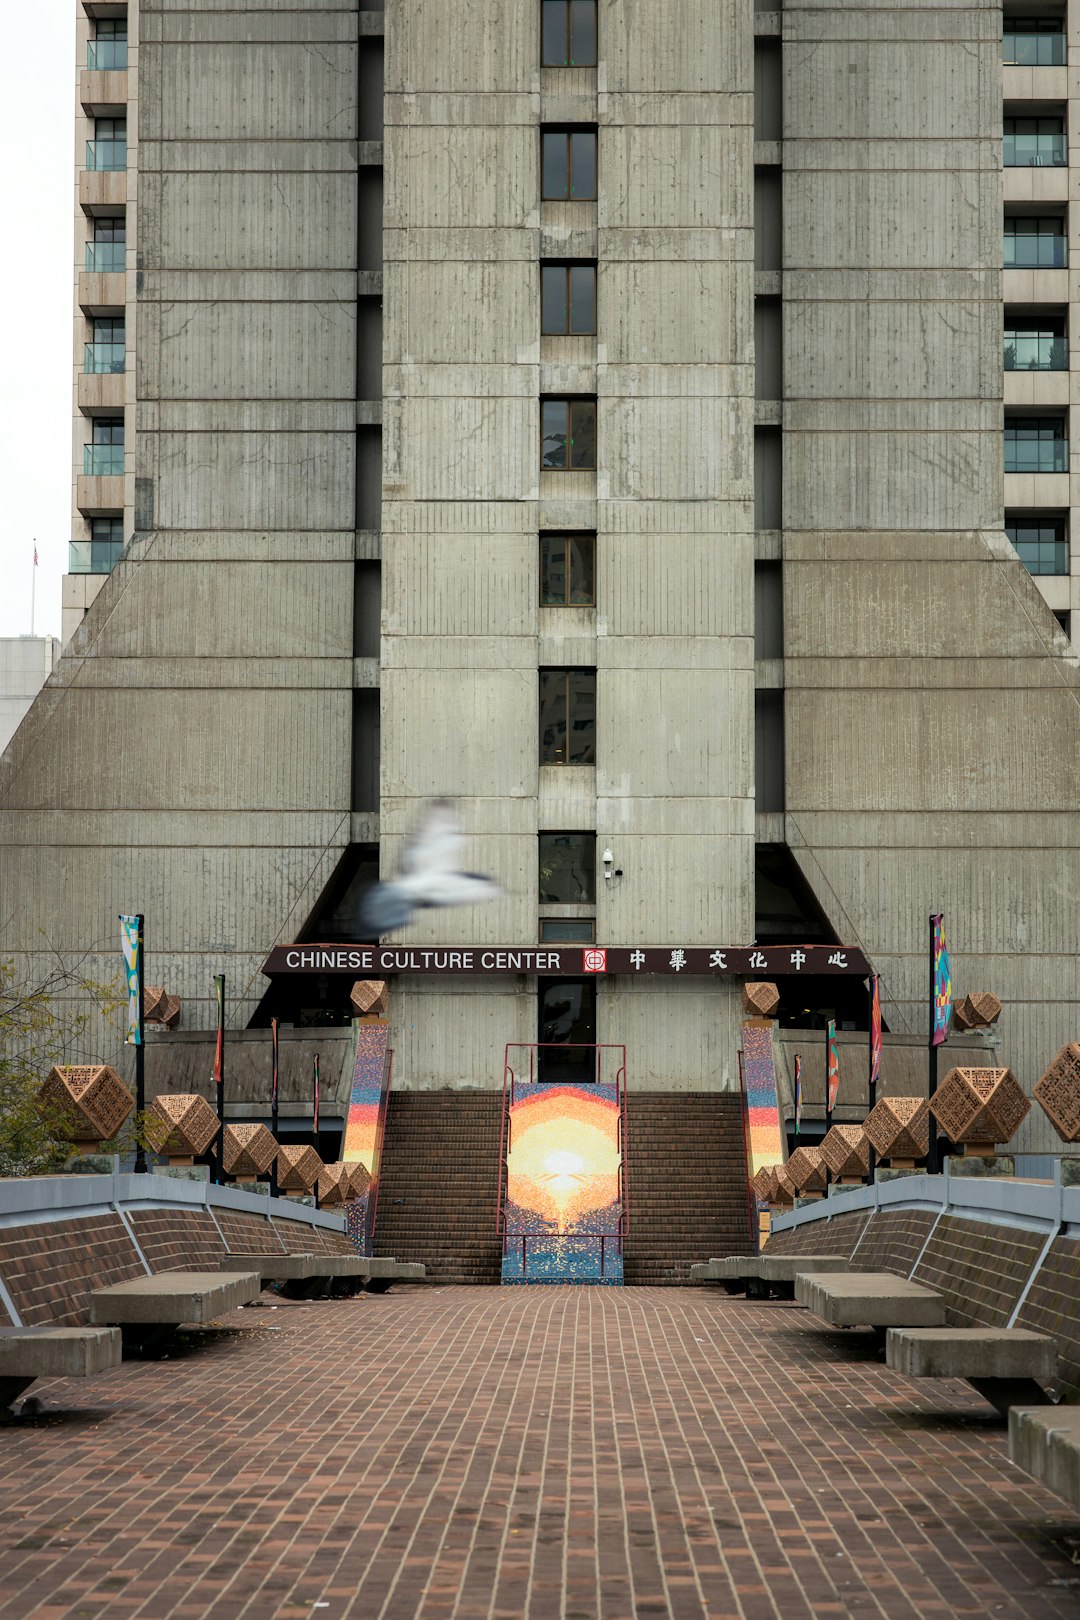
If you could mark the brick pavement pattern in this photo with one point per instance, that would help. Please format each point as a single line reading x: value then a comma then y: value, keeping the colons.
x: 548, y: 1452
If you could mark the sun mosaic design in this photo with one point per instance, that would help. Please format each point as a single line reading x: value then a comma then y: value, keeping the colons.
x: 563, y: 1201
x: 762, y: 1107
x: 364, y: 1127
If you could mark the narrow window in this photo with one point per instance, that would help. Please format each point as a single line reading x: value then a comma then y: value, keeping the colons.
x: 568, y: 164
x: 568, y: 33
x: 106, y: 252
x: 105, y: 351
x: 567, y: 869
x: 1036, y: 343
x: 567, y: 930
x: 568, y: 435
x: 568, y: 717
x: 108, y: 150
x: 568, y: 570
x: 1035, y: 143
x: 566, y: 1030
x: 567, y: 299
x: 1034, y: 42
x: 1035, y: 242
x: 1041, y: 540
x: 769, y: 750
x: 108, y: 50
x: 1036, y: 444
x: 103, y: 457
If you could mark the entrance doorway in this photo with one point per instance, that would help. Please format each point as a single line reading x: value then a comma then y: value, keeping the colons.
x: 566, y: 1031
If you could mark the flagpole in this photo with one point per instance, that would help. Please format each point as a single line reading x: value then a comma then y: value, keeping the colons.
x: 932, y: 1164
x: 219, y: 1073
x: 871, y: 1082
x: 33, y: 601
x: 315, y: 1119
x: 140, y: 1059
x: 274, y: 1103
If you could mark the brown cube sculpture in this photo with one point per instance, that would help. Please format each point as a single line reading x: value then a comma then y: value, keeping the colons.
x: 153, y: 999
x: 1058, y: 1093
x: 760, y: 1000
x: 369, y: 998
x: 90, y: 1100
x: 846, y: 1151
x: 359, y: 1179
x: 248, y: 1151
x: 979, y: 1010
x: 763, y: 1183
x: 783, y: 1187
x: 180, y: 1125
x: 979, y: 1107
x: 899, y: 1129
x: 334, y: 1183
x: 808, y: 1171
x: 298, y: 1169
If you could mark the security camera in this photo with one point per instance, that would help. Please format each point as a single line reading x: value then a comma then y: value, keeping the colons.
x: 609, y: 861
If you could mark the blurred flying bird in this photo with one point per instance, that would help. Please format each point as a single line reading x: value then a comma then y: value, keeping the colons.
x: 428, y: 876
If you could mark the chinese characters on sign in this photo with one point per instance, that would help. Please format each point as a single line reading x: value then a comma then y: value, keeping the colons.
x: 565, y: 961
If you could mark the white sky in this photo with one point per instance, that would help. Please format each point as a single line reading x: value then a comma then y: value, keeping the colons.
x: 37, y: 179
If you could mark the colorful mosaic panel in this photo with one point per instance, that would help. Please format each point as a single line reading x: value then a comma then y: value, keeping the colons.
x: 364, y: 1126
x: 563, y: 1205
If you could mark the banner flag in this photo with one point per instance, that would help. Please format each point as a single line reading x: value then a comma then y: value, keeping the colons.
x: 315, y: 1105
x: 942, y: 1007
x: 219, y: 1050
x: 129, y: 938
x: 875, y: 1030
x: 832, y: 1067
x: 273, y: 1062
x: 798, y: 1092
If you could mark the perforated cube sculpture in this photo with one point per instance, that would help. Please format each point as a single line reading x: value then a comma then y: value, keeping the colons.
x: 88, y: 1101
x: 783, y: 1187
x: 334, y: 1183
x: 899, y: 1129
x: 298, y: 1168
x: 359, y: 1180
x: 247, y: 1151
x: 153, y: 1000
x: 180, y: 1125
x: 1058, y: 1093
x: 807, y: 1170
x: 979, y: 1010
x: 760, y: 1000
x: 762, y: 1183
x: 979, y: 1107
x: 369, y: 998
x: 846, y: 1151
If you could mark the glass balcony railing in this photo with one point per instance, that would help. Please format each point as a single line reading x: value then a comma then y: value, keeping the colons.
x: 93, y: 556
x: 1032, y: 252
x: 103, y: 357
x: 1042, y: 556
x: 106, y: 156
x: 105, y: 257
x: 1035, y: 351
x: 1036, y: 456
x: 1042, y: 49
x: 103, y: 460
x: 106, y: 55
x: 1035, y: 151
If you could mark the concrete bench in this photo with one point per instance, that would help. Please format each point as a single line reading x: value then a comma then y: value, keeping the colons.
x: 1045, y: 1442
x: 147, y: 1305
x: 756, y: 1275
x: 53, y: 1352
x: 874, y: 1299
x: 313, y: 1276
x: 1008, y: 1366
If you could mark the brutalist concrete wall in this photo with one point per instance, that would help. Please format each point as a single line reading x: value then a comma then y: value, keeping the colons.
x: 190, y: 756
x: 465, y: 500
x: 933, y: 731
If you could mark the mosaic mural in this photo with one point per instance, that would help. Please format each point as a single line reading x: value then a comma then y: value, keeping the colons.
x: 764, y: 1140
x: 563, y: 1207
x: 364, y: 1126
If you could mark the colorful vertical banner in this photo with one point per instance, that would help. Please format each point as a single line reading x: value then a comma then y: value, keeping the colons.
x: 315, y: 1096
x: 875, y: 1031
x: 273, y: 1063
x: 832, y: 1067
x: 798, y: 1093
x: 366, y: 1123
x: 130, y: 939
x: 219, y: 1049
x: 762, y: 1106
x: 942, y: 1008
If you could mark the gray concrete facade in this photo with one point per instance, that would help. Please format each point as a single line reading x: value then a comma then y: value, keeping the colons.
x: 334, y: 277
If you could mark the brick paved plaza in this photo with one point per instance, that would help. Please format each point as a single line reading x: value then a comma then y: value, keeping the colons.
x: 544, y: 1452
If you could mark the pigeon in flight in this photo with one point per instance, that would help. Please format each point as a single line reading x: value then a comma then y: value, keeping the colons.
x: 428, y: 876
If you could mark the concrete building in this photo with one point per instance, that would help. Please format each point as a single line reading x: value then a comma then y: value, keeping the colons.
x: 26, y: 662
x: 443, y: 368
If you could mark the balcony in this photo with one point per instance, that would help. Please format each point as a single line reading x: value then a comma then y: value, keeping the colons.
x: 111, y: 55
x: 107, y: 156
x: 1036, y: 351
x: 93, y: 556
x: 1036, y: 456
x: 1046, y: 151
x: 103, y: 461
x: 104, y: 258
x: 103, y: 95
x: 104, y: 191
x: 103, y: 358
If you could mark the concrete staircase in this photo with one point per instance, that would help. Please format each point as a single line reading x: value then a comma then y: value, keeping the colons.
x: 687, y: 1183
x: 440, y: 1170
x: 439, y: 1184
